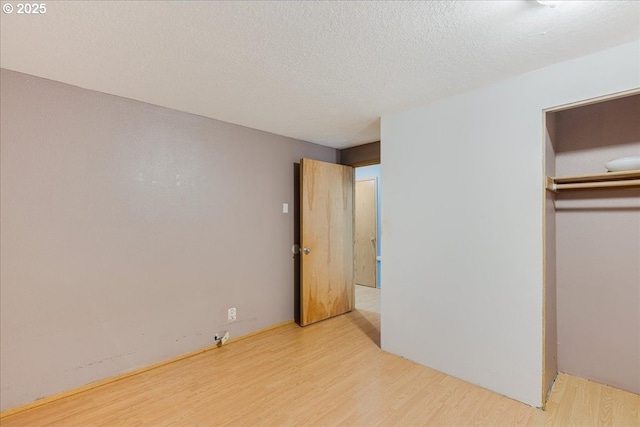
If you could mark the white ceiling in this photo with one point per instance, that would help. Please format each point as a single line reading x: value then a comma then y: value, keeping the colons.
x: 318, y: 71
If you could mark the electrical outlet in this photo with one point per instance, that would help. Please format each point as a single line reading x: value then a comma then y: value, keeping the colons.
x: 231, y: 314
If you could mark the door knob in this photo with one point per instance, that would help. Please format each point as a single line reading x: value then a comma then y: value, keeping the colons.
x: 306, y: 250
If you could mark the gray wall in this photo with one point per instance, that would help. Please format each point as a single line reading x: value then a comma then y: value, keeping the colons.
x: 128, y: 230
x: 598, y: 248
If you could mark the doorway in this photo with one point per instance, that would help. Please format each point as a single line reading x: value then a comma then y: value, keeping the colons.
x: 367, y: 258
x: 365, y: 298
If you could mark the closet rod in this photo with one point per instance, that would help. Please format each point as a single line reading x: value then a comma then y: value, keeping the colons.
x: 629, y: 183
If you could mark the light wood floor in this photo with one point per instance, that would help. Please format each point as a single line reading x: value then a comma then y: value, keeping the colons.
x: 330, y: 373
x: 367, y: 298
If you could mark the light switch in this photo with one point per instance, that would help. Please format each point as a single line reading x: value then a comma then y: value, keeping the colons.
x: 285, y: 208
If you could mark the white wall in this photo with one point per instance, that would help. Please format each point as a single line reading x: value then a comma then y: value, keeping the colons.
x: 462, y: 222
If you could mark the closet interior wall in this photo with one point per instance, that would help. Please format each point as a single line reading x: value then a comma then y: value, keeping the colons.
x: 597, y: 245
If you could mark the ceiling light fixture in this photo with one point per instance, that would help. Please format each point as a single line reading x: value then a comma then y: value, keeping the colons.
x: 550, y: 3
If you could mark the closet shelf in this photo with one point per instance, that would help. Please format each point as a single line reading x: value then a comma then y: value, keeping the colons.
x: 626, y: 179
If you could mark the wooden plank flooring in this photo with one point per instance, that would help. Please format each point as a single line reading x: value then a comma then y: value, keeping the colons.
x: 367, y: 298
x: 329, y: 373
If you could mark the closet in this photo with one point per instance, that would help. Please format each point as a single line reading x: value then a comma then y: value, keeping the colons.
x: 592, y: 243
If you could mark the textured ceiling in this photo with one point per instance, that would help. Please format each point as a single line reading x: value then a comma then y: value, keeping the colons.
x: 318, y: 71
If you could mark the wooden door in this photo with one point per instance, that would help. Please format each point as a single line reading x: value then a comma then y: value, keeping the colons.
x: 326, y: 240
x: 366, y: 233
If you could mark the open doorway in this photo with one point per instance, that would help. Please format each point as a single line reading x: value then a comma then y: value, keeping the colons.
x: 365, y: 299
x: 367, y: 259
